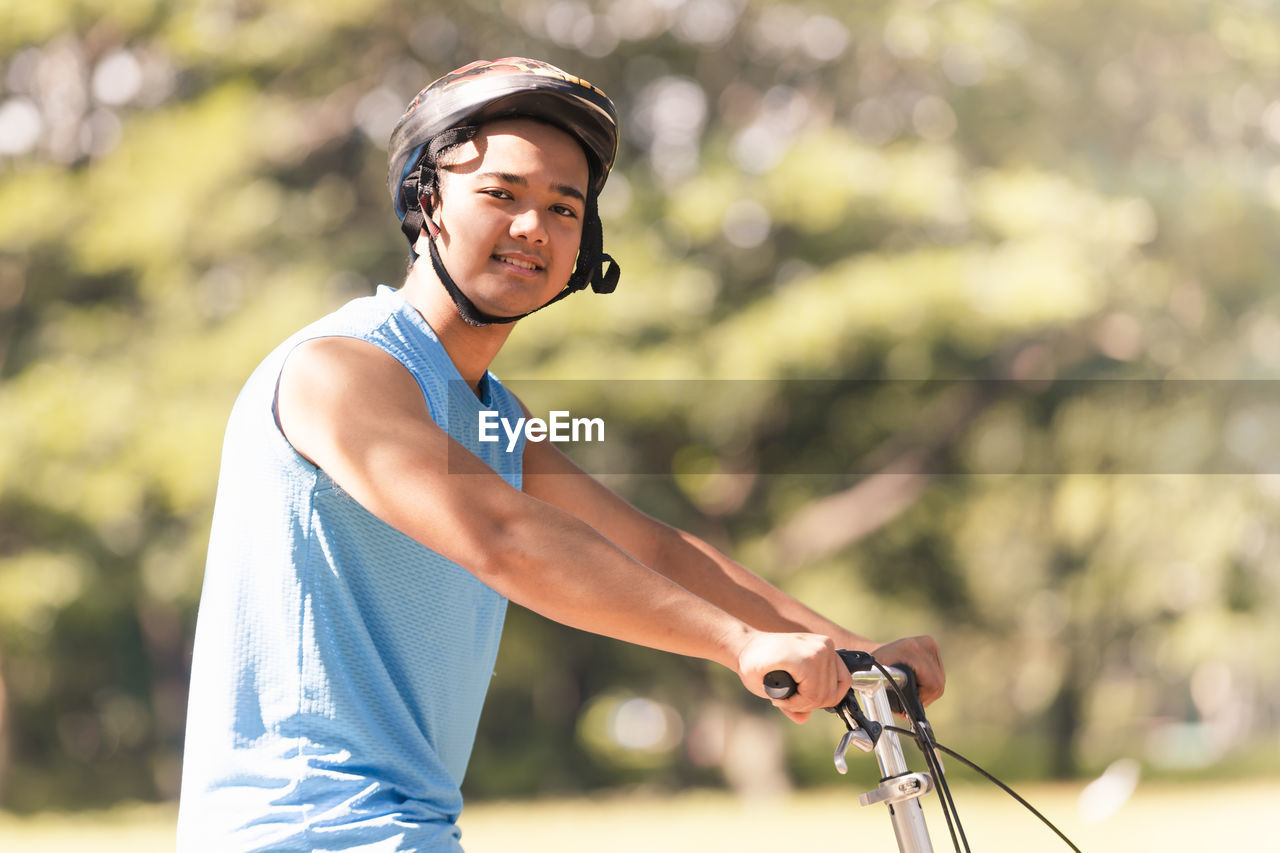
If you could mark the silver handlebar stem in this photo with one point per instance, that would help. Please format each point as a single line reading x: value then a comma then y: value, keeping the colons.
x: 899, y: 789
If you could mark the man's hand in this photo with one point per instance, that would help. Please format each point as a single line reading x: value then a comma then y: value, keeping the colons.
x: 921, y: 654
x: 821, y: 677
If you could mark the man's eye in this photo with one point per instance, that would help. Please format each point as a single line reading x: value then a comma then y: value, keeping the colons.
x: 497, y: 193
x: 565, y: 211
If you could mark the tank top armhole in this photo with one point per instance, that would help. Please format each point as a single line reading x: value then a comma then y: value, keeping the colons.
x: 279, y: 372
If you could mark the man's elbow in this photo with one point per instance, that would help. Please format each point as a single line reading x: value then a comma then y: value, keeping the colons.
x: 498, y: 548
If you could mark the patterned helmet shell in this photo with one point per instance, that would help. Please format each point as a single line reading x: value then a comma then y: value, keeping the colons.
x: 505, y: 88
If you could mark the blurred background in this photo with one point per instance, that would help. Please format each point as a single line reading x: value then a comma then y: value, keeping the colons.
x: 996, y: 271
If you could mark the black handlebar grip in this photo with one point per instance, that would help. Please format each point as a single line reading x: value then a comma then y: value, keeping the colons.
x: 779, y: 685
x: 912, y: 692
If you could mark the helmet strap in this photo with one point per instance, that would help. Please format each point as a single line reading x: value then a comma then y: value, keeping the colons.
x: 422, y: 182
x: 467, y: 310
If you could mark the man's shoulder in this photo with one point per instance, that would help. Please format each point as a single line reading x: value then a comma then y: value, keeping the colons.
x: 351, y: 366
x: 382, y: 321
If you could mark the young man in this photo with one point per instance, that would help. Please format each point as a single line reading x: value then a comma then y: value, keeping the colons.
x: 365, y: 543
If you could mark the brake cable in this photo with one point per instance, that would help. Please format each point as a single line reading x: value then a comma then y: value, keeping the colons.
x: 922, y: 734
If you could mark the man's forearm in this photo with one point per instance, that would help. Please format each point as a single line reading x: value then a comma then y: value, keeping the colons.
x: 552, y: 563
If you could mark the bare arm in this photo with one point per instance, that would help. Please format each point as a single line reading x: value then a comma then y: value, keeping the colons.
x: 354, y: 411
x: 704, y: 570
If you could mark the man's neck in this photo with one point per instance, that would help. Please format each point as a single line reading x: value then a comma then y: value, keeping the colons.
x: 470, y: 348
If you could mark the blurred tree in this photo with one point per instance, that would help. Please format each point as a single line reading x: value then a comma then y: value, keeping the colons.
x: 1006, y: 196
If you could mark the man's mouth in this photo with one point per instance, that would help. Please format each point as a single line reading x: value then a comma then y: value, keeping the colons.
x: 517, y: 262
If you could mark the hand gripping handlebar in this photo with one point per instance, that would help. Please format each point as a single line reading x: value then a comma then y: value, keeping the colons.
x: 779, y: 684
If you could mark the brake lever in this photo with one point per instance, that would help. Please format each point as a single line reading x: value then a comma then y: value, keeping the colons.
x: 861, y: 732
x: 851, y: 713
x: 780, y: 685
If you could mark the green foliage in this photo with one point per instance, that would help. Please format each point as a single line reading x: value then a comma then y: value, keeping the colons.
x: 994, y: 193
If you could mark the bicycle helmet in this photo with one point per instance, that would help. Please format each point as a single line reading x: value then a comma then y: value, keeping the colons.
x: 449, y: 112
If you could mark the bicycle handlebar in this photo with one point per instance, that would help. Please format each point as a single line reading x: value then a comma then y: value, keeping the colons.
x: 779, y: 684
x: 866, y: 676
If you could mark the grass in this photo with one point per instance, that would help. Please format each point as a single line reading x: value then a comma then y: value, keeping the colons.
x: 129, y: 828
x: 1160, y: 816
x: 1156, y: 818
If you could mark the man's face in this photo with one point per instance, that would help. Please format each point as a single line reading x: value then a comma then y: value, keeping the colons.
x: 510, y: 214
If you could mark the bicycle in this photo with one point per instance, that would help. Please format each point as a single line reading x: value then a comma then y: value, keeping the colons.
x: 867, y: 711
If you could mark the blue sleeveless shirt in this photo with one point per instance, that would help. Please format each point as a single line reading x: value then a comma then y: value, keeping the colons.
x: 340, y: 666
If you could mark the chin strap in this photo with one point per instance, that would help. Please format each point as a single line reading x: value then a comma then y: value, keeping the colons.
x: 467, y: 309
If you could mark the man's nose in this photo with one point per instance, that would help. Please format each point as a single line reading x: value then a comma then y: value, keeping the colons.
x: 529, y: 224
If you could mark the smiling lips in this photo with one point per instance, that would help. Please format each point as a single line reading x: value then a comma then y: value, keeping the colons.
x: 521, y: 262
